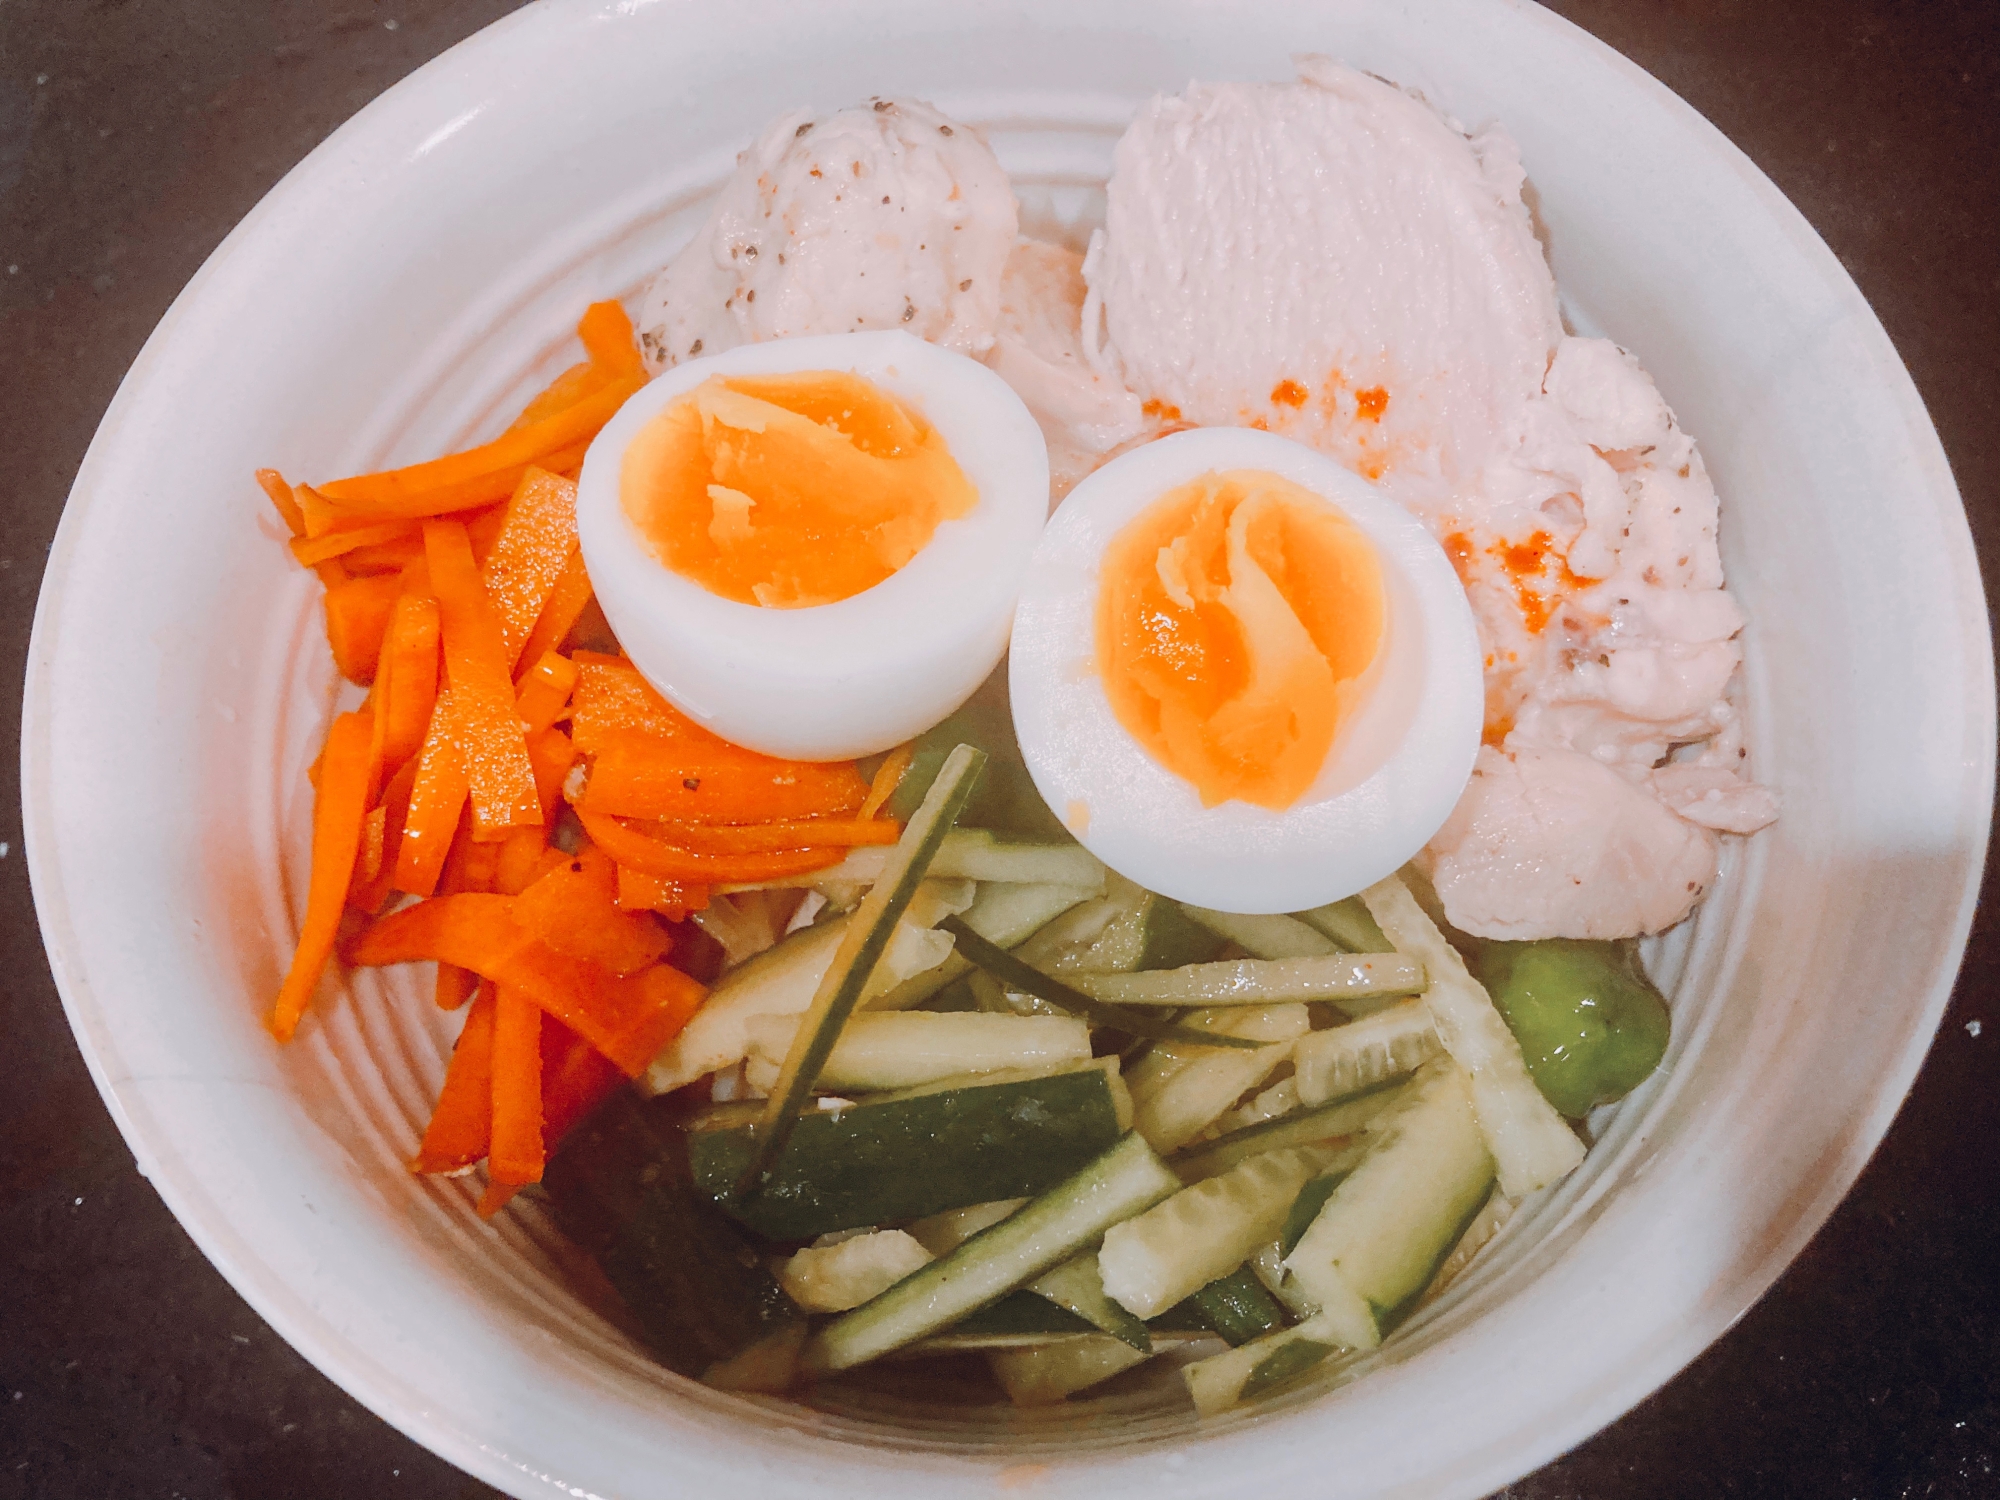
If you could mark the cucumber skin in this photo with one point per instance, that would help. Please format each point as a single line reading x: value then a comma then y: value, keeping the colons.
x: 622, y: 1191
x: 1237, y: 1307
x: 1124, y: 1180
x: 913, y: 1157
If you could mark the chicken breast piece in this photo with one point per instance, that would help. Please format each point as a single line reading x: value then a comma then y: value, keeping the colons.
x: 1331, y: 259
x: 1038, y: 350
x: 886, y: 216
x: 1549, y: 843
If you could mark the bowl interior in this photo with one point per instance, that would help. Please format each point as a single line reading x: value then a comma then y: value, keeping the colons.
x: 179, y: 685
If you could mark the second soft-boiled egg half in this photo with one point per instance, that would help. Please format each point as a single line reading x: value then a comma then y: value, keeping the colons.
x: 813, y: 546
x: 1243, y: 676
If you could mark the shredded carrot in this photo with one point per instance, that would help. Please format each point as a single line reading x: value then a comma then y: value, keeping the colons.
x: 368, y: 896
x: 357, y: 618
x: 567, y: 602
x: 628, y: 1019
x: 419, y: 489
x: 550, y: 755
x: 544, y: 692
x: 537, y: 534
x: 368, y: 858
x: 383, y: 557
x: 607, y: 336
x: 516, y: 1153
x: 338, y: 810
x: 888, y: 776
x: 525, y: 856
x: 611, y: 697
x: 283, y: 501
x: 574, y: 910
x: 436, y: 801
x: 773, y: 838
x: 576, y: 1078
x: 672, y: 899
x: 641, y: 776
x: 499, y: 777
x: 461, y: 1126
x: 651, y: 857
x: 310, y: 550
x: 411, y: 658
x: 560, y: 394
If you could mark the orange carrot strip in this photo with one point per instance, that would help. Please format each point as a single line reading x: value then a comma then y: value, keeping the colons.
x: 338, y: 809
x: 357, y: 618
x: 461, y: 1126
x: 560, y: 394
x: 550, y: 755
x: 672, y: 899
x: 393, y: 491
x: 436, y: 800
x: 525, y: 856
x: 310, y: 550
x: 574, y: 910
x: 369, y: 896
x: 774, y: 838
x: 528, y: 556
x: 641, y: 776
x: 628, y: 1020
x: 576, y: 1078
x: 608, y: 338
x: 545, y: 690
x: 499, y: 777
x: 383, y: 557
x: 465, y: 500
x: 567, y: 601
x: 283, y: 501
x: 651, y: 857
x: 888, y: 776
x: 516, y: 1153
x: 411, y: 652
x: 368, y: 858
x: 611, y: 697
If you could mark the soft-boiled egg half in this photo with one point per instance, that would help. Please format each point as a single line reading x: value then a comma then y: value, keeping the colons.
x: 1242, y: 675
x: 813, y: 546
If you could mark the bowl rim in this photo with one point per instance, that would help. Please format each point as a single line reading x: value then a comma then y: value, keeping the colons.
x: 352, y: 1368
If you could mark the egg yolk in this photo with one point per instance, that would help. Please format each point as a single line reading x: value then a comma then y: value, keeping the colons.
x: 789, y: 490
x: 1236, y: 616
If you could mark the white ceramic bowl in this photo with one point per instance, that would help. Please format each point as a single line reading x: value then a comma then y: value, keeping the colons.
x: 420, y: 273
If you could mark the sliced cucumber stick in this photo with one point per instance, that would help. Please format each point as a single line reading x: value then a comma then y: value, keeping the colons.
x: 1078, y: 1286
x: 1260, y: 981
x: 1049, y: 1372
x: 1531, y: 1143
x: 1334, y: 1121
x: 1261, y: 1366
x: 1347, y: 1059
x: 1128, y: 1179
x: 1178, y: 1090
x: 1265, y: 937
x: 1389, y: 1223
x: 900, y: 1050
x: 1203, y: 1232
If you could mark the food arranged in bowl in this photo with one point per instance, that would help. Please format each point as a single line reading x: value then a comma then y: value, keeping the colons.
x: 895, y: 922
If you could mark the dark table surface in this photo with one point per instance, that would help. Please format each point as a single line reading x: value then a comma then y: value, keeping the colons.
x: 134, y: 133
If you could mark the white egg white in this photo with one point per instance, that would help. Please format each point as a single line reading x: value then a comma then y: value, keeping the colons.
x: 838, y: 680
x: 1396, y: 768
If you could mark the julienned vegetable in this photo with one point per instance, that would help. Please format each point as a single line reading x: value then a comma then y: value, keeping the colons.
x: 1296, y: 1128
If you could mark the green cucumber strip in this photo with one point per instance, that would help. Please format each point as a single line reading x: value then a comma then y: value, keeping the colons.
x: 1389, y: 1223
x: 1305, y: 1208
x: 1237, y: 1307
x: 1347, y: 922
x: 861, y: 947
x: 1281, y: 1098
x: 1049, y: 1372
x: 1078, y: 1286
x: 1487, y: 1223
x: 1328, y: 1122
x: 1259, y: 981
x: 1178, y: 1091
x: 1019, y: 1315
x: 1261, y: 1366
x: 1009, y: 970
x: 969, y: 854
x: 910, y: 1155
x: 1268, y: 1266
x: 1344, y: 1060
x: 1265, y: 937
x: 622, y: 1191
x: 943, y: 1233
x: 901, y: 1049
x: 1176, y: 1248
x: 1127, y: 1179
x: 1532, y: 1145
x: 1003, y: 914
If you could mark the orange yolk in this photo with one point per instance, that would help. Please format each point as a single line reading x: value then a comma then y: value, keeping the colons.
x: 789, y: 490
x: 1236, y: 617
